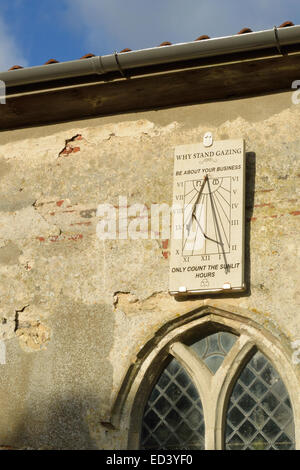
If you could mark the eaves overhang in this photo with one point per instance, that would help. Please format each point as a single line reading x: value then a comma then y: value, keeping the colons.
x: 208, y: 70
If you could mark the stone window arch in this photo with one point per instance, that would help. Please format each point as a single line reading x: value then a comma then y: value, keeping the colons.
x: 242, y: 387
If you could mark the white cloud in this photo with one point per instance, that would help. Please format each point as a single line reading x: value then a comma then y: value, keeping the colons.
x: 10, y: 53
x: 115, y: 24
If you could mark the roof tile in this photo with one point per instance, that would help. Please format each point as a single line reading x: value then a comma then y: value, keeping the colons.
x: 245, y: 30
x: 16, y: 67
x: 204, y: 36
x: 165, y: 43
x: 51, y: 61
x: 286, y: 24
x: 87, y: 56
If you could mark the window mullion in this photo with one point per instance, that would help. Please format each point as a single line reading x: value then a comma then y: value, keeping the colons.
x: 202, y: 378
x: 222, y: 383
x: 196, y: 368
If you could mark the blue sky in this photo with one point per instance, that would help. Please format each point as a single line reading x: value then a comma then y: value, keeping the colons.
x: 33, y: 31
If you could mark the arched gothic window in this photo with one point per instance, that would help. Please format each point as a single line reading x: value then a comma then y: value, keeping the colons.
x: 218, y: 392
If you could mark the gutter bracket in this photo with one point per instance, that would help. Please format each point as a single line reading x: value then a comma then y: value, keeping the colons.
x: 119, y: 65
x: 277, y: 42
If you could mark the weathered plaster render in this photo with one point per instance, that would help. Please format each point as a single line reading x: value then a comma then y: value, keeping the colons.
x: 76, y: 310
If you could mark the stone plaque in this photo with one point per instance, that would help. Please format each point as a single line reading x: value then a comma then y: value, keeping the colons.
x: 207, y: 246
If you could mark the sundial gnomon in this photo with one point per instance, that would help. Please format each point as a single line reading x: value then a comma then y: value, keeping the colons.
x: 206, y: 233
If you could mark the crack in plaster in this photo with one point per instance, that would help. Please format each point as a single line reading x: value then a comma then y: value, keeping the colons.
x: 69, y: 148
x: 17, y: 320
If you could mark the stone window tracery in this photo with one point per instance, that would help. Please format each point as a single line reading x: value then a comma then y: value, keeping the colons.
x: 218, y: 392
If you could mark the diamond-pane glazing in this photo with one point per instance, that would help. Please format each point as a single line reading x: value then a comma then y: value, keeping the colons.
x: 214, y: 348
x: 173, y: 417
x: 259, y: 415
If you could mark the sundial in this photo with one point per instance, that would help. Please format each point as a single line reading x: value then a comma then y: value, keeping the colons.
x: 207, y: 247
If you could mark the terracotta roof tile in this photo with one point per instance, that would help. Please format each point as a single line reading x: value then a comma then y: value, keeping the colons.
x: 204, y: 36
x: 286, y: 23
x: 87, y: 56
x: 245, y: 30
x: 165, y: 43
x: 16, y: 67
x: 51, y: 61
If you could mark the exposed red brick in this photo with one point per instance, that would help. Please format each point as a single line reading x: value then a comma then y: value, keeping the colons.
x: 79, y: 236
x: 165, y: 254
x: 66, y: 150
x: 264, y: 190
x: 59, y: 203
x: 81, y: 223
x: 41, y: 239
x: 165, y: 244
x: 264, y: 205
x: 295, y: 213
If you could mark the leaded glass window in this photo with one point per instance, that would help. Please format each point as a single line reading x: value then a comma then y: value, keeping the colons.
x: 186, y: 406
x: 259, y: 413
x: 173, y: 416
x: 214, y: 348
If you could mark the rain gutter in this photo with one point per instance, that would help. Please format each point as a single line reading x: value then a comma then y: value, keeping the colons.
x: 272, y: 38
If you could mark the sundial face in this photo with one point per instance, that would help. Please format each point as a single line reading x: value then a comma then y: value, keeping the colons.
x: 205, y: 232
x: 207, y: 249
